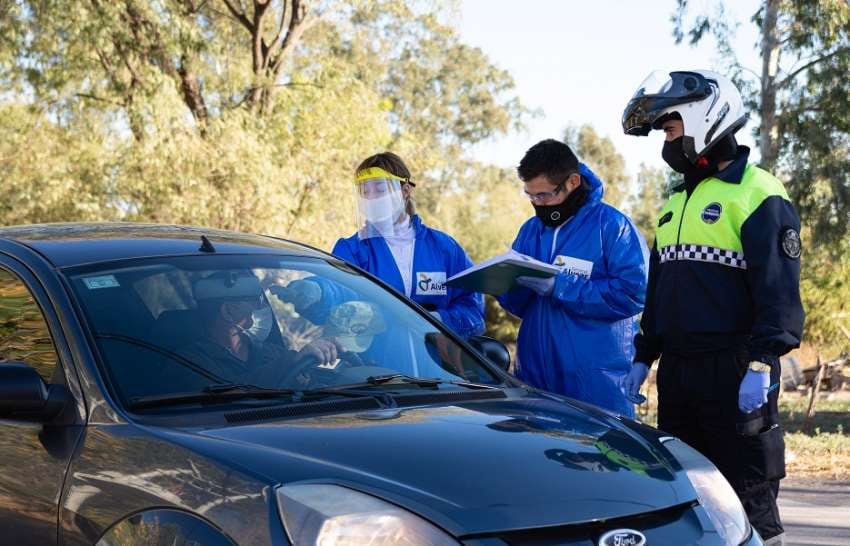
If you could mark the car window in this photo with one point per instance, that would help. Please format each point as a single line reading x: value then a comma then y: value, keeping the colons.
x: 24, y: 335
x: 178, y: 325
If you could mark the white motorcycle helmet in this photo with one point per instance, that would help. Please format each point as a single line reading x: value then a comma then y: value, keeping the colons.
x: 709, y: 104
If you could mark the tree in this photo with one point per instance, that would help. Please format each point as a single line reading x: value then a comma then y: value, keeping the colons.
x: 243, y: 114
x: 603, y: 159
x: 653, y: 191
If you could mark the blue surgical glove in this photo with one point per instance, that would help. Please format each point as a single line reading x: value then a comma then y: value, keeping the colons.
x: 543, y: 286
x: 753, y: 392
x: 634, y: 379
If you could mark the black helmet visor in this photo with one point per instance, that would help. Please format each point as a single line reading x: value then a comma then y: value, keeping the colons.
x: 659, y: 92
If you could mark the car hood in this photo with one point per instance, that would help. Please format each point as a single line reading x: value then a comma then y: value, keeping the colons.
x: 474, y: 468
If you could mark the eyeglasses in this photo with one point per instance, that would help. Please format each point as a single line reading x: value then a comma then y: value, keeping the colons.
x: 546, y: 195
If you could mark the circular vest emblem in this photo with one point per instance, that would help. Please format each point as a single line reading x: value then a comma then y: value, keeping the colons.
x: 555, y: 216
x: 711, y: 213
x: 791, y: 244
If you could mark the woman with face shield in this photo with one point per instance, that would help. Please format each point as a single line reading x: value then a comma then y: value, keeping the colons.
x: 395, y: 245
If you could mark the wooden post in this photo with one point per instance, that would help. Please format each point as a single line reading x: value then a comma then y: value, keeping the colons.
x: 815, y: 387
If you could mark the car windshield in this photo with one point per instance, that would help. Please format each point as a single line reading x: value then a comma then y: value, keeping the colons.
x: 182, y: 325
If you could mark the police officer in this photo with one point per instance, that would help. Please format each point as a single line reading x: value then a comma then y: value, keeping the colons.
x: 723, y: 301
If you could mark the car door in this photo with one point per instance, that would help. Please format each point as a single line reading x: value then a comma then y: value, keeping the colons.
x: 34, y: 457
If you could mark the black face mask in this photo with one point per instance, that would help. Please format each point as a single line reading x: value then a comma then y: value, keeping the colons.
x: 555, y: 215
x: 674, y: 155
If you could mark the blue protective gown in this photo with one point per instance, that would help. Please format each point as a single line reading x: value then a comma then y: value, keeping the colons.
x: 578, y: 341
x: 436, y: 257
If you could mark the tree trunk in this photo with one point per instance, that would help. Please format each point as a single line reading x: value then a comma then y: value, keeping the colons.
x: 769, y: 130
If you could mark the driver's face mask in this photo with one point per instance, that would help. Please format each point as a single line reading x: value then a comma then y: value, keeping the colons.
x: 263, y: 320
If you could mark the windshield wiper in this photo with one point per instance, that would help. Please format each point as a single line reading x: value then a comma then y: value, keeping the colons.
x: 216, y: 393
x: 424, y: 382
x: 403, y: 379
x: 228, y: 392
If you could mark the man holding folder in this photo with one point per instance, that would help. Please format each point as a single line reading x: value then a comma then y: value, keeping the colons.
x: 578, y: 325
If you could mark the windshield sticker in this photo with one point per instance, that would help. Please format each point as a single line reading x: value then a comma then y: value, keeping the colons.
x: 103, y: 281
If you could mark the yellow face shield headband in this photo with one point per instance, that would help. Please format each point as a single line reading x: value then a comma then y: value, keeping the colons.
x: 376, y: 172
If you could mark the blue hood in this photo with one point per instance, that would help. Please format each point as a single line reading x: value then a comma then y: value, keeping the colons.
x: 597, y: 189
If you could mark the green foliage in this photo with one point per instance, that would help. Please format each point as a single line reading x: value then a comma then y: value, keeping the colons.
x: 142, y: 110
x: 248, y: 115
x: 603, y: 159
x: 825, y: 289
x: 654, y: 190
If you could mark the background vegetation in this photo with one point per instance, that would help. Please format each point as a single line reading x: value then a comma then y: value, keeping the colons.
x: 252, y: 114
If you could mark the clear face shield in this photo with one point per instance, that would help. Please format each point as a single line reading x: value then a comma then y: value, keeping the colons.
x: 380, y: 203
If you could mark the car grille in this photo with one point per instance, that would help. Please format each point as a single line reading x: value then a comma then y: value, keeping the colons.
x: 674, y: 525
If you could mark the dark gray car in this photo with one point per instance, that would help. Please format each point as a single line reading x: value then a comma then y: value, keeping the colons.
x: 177, y: 386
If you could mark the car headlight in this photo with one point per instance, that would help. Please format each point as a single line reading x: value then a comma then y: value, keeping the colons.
x: 713, y: 491
x: 329, y: 515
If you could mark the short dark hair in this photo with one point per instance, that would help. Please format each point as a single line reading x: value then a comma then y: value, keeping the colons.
x: 550, y: 158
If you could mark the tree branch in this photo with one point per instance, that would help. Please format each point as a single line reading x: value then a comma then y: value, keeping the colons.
x: 99, y: 99
x: 298, y: 24
x: 281, y: 25
x: 238, y: 15
x: 785, y: 81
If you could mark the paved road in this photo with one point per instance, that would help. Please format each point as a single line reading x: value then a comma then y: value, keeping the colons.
x: 815, y: 514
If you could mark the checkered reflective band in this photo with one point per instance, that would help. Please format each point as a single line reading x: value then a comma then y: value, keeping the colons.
x: 703, y: 253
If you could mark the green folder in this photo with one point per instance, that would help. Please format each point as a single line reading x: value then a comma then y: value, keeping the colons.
x: 498, y: 275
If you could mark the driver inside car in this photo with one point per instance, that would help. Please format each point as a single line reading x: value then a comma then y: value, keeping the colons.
x: 226, y: 301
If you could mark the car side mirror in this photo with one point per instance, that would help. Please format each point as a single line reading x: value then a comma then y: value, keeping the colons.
x: 492, y: 349
x: 25, y: 396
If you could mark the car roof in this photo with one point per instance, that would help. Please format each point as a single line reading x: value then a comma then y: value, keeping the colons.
x: 72, y: 244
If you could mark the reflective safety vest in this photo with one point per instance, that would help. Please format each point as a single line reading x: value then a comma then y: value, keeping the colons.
x: 725, y: 271
x: 706, y: 226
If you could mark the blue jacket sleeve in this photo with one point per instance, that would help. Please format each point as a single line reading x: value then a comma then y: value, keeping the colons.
x: 621, y: 292
x: 465, y: 310
x: 333, y: 294
x: 647, y: 341
x: 343, y: 251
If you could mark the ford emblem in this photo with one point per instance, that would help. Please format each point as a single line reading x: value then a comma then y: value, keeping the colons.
x: 622, y: 537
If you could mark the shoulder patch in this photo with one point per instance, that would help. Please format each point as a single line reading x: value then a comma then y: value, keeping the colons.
x: 790, y: 242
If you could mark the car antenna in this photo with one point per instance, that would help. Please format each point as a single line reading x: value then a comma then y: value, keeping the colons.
x: 206, y: 245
